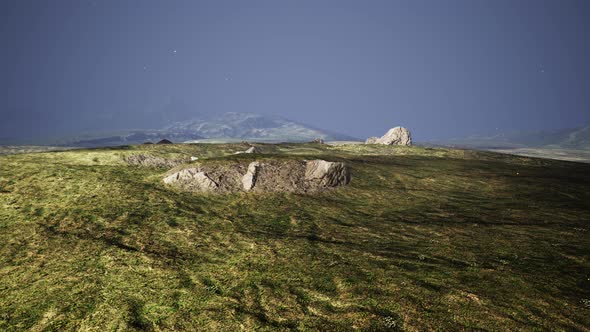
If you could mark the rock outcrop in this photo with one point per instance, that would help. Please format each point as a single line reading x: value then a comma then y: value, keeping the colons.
x: 394, y: 136
x: 299, y: 176
x: 249, y: 179
x: 192, y: 179
x: 251, y: 149
x: 327, y: 174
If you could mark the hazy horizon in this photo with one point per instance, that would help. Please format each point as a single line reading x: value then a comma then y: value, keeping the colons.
x: 441, y: 69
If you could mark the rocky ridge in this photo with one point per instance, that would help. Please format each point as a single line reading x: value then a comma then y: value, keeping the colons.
x: 298, y: 176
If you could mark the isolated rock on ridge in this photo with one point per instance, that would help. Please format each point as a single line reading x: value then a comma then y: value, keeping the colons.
x: 394, y: 136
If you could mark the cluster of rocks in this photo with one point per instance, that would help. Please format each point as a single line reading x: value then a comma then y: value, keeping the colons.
x: 318, y: 140
x: 300, y: 176
x: 394, y: 136
x: 145, y: 160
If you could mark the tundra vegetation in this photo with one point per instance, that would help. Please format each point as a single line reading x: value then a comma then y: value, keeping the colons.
x: 420, y: 239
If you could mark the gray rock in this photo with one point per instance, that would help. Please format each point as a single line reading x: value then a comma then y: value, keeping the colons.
x: 252, y: 149
x: 249, y: 179
x: 372, y: 140
x: 326, y: 173
x: 318, y: 140
x: 394, y: 136
x: 191, y: 178
x: 296, y: 176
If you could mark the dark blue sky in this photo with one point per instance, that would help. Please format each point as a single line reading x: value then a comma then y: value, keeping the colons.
x: 441, y: 68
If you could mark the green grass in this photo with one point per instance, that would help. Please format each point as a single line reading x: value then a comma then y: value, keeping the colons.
x: 421, y: 239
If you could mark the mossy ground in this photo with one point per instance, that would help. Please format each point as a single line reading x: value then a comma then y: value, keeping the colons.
x: 421, y: 239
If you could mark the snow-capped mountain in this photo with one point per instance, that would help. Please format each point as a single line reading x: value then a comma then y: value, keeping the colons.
x: 244, y: 126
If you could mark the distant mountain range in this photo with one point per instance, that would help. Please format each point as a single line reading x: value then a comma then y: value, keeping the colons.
x: 243, y: 126
x: 573, y: 138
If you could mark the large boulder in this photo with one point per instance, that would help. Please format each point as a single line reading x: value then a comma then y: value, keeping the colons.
x: 394, y: 136
x: 192, y: 179
x: 326, y: 173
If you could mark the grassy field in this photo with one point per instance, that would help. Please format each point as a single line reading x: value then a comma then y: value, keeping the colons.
x: 12, y: 149
x: 422, y: 239
x: 556, y: 153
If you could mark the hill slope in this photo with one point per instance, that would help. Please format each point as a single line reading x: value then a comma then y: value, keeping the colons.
x: 421, y: 239
x: 576, y: 138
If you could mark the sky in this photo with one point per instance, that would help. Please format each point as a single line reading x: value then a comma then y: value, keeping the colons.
x: 442, y: 69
